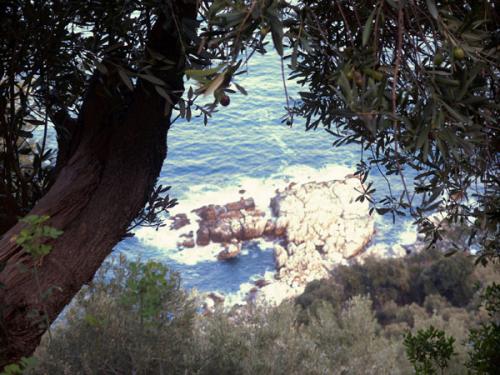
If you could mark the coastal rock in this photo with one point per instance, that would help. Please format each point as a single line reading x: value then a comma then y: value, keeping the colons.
x: 262, y: 283
x: 187, y: 243
x: 217, y: 297
x: 238, y: 220
x: 179, y: 221
x: 280, y: 256
x: 186, y: 240
x: 231, y: 251
x: 314, y: 226
x: 202, y: 236
x: 253, y: 225
x: 323, y: 225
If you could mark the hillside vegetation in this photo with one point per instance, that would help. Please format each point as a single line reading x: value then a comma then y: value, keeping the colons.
x: 135, y: 318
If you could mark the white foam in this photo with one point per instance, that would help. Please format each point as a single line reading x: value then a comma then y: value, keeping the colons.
x: 408, y: 235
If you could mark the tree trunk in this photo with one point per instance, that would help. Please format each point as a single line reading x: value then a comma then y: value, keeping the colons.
x: 101, y: 188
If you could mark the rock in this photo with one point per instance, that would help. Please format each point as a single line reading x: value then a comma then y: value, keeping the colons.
x: 209, y: 304
x: 242, y: 191
x: 319, y: 225
x: 179, y: 221
x: 276, y: 292
x: 253, y: 226
x: 221, y: 232
x: 186, y: 240
x: 210, y: 212
x: 188, y: 243
x: 202, y: 236
x: 231, y: 251
x: 270, y: 227
x: 242, y: 204
x: 280, y: 227
x: 323, y: 226
x: 280, y: 256
x: 188, y: 234
x: 262, y: 283
x: 236, y: 220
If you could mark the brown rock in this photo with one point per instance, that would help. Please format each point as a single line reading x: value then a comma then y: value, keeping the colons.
x: 189, y: 243
x: 269, y: 228
x: 280, y: 228
x: 243, y: 204
x: 179, y: 221
x: 231, y: 215
x: 210, y: 212
x: 222, y: 232
x: 253, y: 227
x: 187, y: 235
x: 202, y: 236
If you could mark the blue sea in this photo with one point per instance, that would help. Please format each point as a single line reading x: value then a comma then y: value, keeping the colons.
x: 246, y: 146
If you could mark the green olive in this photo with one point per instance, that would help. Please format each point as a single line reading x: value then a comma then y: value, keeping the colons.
x: 458, y: 53
x: 438, y: 59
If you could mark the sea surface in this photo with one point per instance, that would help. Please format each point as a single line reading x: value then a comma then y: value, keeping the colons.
x: 246, y: 146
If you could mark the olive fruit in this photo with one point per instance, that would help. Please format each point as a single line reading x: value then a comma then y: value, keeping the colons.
x: 224, y: 100
x: 438, y: 59
x: 458, y: 53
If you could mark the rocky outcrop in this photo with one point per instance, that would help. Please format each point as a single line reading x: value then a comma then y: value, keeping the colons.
x: 238, y: 220
x: 314, y: 227
x: 323, y: 226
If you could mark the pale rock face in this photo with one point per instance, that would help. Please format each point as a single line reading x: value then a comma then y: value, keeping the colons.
x: 324, y: 226
x: 280, y: 256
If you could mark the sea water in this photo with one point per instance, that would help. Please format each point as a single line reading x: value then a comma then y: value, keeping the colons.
x: 245, y: 146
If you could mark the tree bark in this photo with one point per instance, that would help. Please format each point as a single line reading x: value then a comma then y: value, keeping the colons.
x: 98, y: 192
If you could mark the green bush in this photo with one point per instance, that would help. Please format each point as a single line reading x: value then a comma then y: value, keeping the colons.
x: 132, y: 317
x: 452, y: 278
x: 402, y: 281
x: 135, y: 318
x: 429, y: 350
x: 484, y: 355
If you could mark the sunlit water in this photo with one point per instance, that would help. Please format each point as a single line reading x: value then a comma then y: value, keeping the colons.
x: 245, y: 146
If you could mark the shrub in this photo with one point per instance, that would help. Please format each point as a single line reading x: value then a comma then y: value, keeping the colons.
x: 135, y: 318
x: 402, y: 281
x: 484, y: 355
x: 452, y: 278
x: 132, y: 317
x: 429, y: 350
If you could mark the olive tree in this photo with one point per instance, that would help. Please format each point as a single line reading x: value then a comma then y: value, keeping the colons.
x: 413, y: 82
